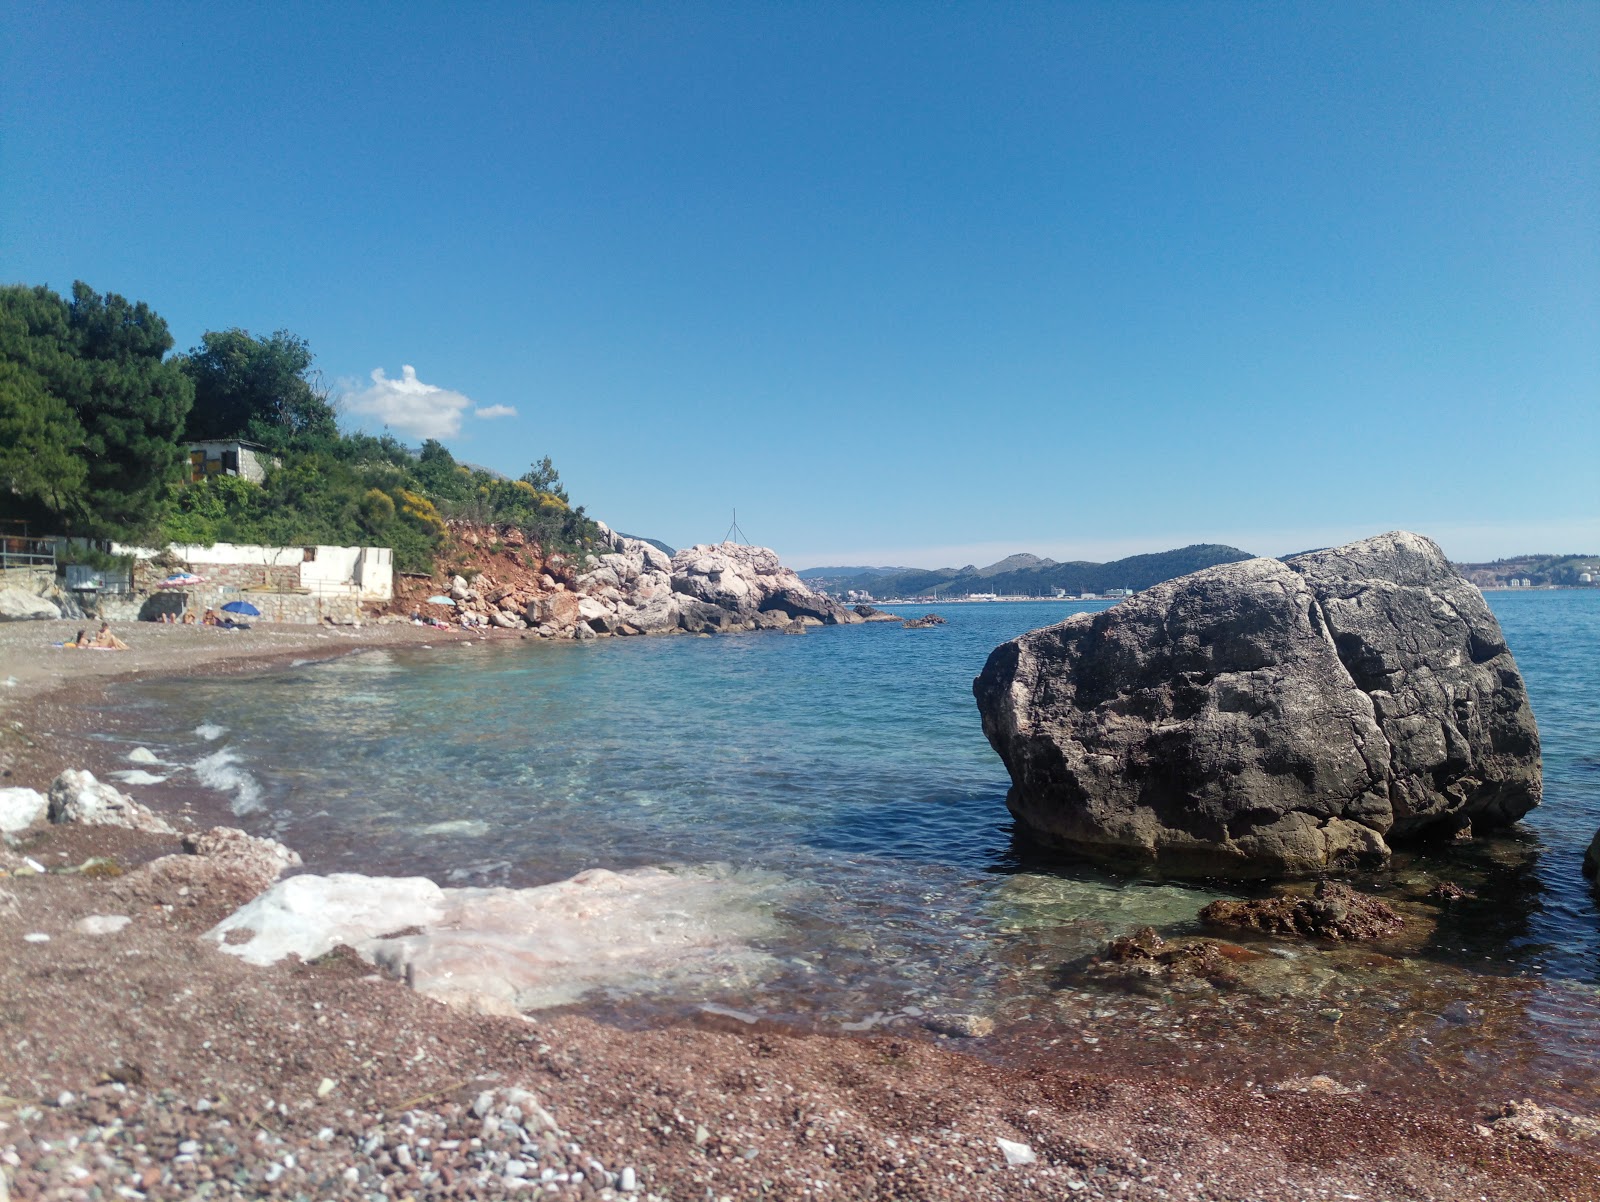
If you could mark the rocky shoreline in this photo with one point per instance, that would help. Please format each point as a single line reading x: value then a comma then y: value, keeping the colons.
x: 635, y: 588
x: 141, y: 1063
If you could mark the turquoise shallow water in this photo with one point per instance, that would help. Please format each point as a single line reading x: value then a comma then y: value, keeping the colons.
x: 848, y: 766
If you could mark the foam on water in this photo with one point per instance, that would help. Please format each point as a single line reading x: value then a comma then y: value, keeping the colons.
x: 220, y: 771
x: 210, y: 731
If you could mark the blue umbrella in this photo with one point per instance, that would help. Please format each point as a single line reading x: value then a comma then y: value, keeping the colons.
x: 241, y: 607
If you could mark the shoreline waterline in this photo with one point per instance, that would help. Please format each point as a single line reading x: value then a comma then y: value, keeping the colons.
x: 880, y: 924
x: 1027, y: 1054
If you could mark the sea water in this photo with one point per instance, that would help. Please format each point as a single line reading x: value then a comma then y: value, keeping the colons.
x: 849, y: 769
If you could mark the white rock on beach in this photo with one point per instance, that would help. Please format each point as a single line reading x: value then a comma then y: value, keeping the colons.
x: 505, y: 951
x: 19, y: 605
x: 101, y: 924
x: 76, y: 796
x: 20, y: 808
x: 1016, y: 1153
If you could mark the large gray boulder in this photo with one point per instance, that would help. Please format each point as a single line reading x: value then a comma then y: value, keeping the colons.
x: 19, y: 605
x: 1267, y: 718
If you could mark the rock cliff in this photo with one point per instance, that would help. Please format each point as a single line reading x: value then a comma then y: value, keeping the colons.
x: 624, y: 586
x: 635, y: 588
x: 1267, y: 718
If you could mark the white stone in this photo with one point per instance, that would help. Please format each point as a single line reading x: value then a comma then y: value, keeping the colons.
x: 101, y: 924
x: 627, y: 1182
x: 142, y: 755
x: 21, y: 808
x: 36, y: 937
x: 506, y: 951
x: 308, y: 915
x: 1016, y: 1153
x: 18, y: 605
x: 76, y: 796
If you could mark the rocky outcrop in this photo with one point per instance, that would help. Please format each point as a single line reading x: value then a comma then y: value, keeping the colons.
x: 223, y: 866
x: 506, y: 951
x: 636, y: 588
x: 1267, y: 718
x: 76, y: 796
x: 1334, y: 911
x: 19, y: 605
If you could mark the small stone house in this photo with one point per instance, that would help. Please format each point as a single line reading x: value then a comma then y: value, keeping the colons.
x: 229, y: 457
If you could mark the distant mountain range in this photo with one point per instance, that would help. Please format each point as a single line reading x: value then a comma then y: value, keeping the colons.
x: 1024, y: 575
x: 811, y: 574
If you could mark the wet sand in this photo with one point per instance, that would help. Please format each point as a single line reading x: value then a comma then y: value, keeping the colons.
x: 324, y: 1080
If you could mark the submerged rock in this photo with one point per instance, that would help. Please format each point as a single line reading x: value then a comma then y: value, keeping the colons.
x: 1144, y: 960
x: 871, y: 613
x: 1335, y: 911
x: 76, y: 796
x: 1267, y: 718
x: 506, y: 951
x: 1591, y: 859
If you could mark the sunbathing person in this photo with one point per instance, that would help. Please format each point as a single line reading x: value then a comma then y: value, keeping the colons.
x: 104, y: 640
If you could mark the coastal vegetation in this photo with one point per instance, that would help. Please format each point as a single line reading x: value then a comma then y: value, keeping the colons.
x: 96, y: 416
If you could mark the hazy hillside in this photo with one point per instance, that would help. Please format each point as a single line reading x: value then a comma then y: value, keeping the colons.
x: 1029, y: 575
x: 824, y: 578
x: 1537, y: 569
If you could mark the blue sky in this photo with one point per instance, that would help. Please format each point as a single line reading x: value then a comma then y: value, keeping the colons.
x: 904, y: 283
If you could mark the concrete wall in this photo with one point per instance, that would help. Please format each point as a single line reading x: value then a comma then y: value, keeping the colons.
x: 292, y: 608
x: 364, y: 573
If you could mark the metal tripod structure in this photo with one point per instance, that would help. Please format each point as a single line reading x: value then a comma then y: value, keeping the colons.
x: 733, y: 530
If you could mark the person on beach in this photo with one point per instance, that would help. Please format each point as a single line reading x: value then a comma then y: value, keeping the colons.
x: 104, y: 640
x: 81, y: 641
x: 188, y: 617
x: 209, y: 618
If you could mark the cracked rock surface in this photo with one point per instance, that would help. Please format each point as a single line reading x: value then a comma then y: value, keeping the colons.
x: 1268, y: 719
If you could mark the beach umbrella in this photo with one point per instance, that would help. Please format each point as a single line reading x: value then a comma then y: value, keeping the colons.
x: 181, y: 580
x: 241, y: 607
x: 440, y: 599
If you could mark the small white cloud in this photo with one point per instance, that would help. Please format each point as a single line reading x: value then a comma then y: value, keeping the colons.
x: 409, y: 405
x: 489, y: 411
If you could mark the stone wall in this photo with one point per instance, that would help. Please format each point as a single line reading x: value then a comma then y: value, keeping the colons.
x: 291, y: 608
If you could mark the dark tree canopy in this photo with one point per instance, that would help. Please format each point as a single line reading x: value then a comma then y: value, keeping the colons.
x: 87, y: 380
x: 261, y: 389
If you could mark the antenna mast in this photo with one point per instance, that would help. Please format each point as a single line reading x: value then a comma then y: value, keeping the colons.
x: 733, y: 530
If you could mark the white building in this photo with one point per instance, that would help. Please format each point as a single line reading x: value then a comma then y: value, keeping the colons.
x: 229, y: 457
